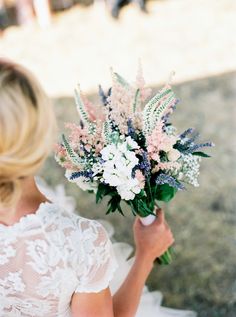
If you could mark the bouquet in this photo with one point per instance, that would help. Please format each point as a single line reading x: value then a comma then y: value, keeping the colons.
x: 127, y: 149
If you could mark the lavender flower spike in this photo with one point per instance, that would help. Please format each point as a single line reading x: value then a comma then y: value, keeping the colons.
x: 199, y: 146
x: 171, y: 181
x: 87, y: 174
x: 186, y: 132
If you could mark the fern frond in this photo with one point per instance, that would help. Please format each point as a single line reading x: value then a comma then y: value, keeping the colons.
x: 150, y: 108
x: 80, y: 107
x: 107, y: 131
x: 121, y: 80
x: 83, y: 112
x: 136, y: 99
x: 71, y: 153
x: 162, y: 109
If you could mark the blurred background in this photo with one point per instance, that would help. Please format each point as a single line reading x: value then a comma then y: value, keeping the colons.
x: 65, y: 42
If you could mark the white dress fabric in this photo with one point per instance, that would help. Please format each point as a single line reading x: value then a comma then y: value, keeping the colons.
x: 49, y: 255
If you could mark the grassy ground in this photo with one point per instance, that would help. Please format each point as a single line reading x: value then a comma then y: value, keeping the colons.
x: 203, y: 275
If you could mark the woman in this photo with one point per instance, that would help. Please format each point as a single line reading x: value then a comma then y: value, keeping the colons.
x: 52, y: 262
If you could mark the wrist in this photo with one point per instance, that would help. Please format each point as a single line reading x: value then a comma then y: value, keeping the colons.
x: 143, y: 262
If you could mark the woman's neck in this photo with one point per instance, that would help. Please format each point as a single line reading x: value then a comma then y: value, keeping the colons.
x: 29, y: 202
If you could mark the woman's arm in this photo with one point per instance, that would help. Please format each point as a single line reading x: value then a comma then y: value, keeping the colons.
x: 126, y: 299
x: 151, y: 242
x: 92, y: 304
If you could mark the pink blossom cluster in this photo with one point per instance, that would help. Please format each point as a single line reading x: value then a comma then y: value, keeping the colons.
x: 159, y: 141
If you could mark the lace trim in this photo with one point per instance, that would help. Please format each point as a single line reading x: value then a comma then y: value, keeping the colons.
x: 26, y: 220
x: 113, y: 266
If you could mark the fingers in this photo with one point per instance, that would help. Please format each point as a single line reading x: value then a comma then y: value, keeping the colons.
x: 160, y: 216
x: 137, y: 223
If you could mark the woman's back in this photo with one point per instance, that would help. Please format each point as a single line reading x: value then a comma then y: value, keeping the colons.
x: 46, y: 257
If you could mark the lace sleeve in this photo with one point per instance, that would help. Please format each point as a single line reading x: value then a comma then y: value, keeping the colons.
x: 95, y: 261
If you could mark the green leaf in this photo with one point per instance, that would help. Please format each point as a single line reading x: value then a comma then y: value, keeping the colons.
x: 202, y: 154
x: 165, y: 192
x: 121, y: 80
x: 136, y: 99
x: 102, y: 191
x: 120, y: 209
x: 114, y: 204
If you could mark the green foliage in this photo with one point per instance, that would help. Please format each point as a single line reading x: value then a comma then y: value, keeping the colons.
x: 114, y: 204
x: 121, y: 80
x: 83, y: 113
x: 115, y: 200
x: 165, y: 192
x: 102, y: 191
x: 71, y: 153
x: 202, y: 154
x: 136, y: 99
x: 107, y: 131
x: 81, y: 108
x: 150, y: 108
x: 159, y: 111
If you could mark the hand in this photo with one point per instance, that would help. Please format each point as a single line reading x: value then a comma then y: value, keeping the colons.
x: 153, y: 240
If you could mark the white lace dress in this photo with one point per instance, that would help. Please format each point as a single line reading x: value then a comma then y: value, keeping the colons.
x: 49, y: 255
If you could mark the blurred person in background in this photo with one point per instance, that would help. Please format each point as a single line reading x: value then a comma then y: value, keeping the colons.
x: 4, y: 21
x: 25, y: 13
x: 114, y: 6
x: 27, y: 10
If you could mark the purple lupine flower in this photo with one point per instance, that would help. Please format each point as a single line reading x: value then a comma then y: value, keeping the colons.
x: 171, y: 181
x: 103, y: 95
x: 165, y: 118
x: 131, y: 130
x: 87, y: 174
x: 196, y: 147
x: 191, y: 140
x: 186, y: 132
x: 145, y: 165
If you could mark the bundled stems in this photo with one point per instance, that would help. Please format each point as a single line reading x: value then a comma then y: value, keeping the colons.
x: 144, y: 206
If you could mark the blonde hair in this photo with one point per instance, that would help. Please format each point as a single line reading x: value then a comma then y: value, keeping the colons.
x: 27, y: 129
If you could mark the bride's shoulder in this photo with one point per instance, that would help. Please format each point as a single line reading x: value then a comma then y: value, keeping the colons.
x: 56, y: 217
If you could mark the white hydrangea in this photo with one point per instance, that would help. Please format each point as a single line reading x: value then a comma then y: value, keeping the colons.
x: 189, y: 169
x: 117, y: 168
x: 128, y: 190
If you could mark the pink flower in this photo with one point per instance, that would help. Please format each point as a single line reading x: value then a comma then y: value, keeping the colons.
x: 160, y: 141
x: 166, y: 166
x: 88, y: 147
x: 140, y: 83
x: 95, y: 112
x: 173, y: 155
x: 141, y: 178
